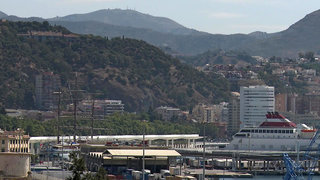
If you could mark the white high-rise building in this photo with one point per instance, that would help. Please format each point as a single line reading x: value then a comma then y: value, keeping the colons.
x: 255, y: 102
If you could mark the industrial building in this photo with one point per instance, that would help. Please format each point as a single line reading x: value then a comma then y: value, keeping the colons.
x: 116, y: 160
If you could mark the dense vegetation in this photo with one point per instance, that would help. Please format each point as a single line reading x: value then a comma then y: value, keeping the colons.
x: 139, y: 74
x: 112, y: 125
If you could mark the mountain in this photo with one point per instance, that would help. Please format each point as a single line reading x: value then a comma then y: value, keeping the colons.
x: 2, y: 14
x: 139, y: 74
x: 128, y: 18
x: 302, y: 36
x: 179, y: 40
x: 259, y: 35
x: 182, y: 44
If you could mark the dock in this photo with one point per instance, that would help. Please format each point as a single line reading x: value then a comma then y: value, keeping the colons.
x: 216, y: 173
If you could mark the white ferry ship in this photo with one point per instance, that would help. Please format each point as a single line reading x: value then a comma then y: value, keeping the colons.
x: 277, y: 133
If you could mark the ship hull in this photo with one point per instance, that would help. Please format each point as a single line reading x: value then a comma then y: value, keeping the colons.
x: 269, y: 144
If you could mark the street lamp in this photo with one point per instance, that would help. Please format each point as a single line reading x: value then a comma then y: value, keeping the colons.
x: 204, y: 151
x: 143, y: 149
x: 58, y: 93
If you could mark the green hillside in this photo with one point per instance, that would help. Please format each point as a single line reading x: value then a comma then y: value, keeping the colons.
x: 138, y: 73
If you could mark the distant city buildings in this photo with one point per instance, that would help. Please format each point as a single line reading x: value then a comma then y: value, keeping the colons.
x: 50, y: 35
x: 167, y: 113
x: 101, y: 107
x: 255, y: 102
x: 286, y: 102
x: 45, y: 84
x: 210, y: 113
x: 30, y: 114
x: 203, y: 113
x: 299, y: 104
x: 232, y: 72
x: 233, y: 114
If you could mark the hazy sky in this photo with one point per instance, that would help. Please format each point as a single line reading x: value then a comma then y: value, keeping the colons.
x: 214, y: 16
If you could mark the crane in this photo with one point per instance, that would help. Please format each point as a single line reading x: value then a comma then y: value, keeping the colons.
x: 295, y: 170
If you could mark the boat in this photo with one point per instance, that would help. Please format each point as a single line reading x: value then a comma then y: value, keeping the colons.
x: 276, y: 133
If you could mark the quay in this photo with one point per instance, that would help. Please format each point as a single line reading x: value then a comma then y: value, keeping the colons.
x: 217, y: 173
x: 244, y: 161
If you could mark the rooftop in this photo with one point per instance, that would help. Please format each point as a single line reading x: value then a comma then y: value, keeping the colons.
x: 139, y: 152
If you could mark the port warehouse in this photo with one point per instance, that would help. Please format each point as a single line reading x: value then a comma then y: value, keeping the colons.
x: 117, y: 159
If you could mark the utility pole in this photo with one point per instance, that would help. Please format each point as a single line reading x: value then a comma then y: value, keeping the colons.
x: 143, y: 151
x: 75, y: 102
x: 59, y: 111
x: 92, y: 119
x: 74, y: 98
x: 19, y: 139
x: 204, y: 151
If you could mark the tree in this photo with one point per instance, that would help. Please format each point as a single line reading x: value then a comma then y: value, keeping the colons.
x: 2, y: 109
x: 301, y: 55
x: 79, y: 169
x: 101, y: 174
x: 309, y: 55
x: 78, y: 166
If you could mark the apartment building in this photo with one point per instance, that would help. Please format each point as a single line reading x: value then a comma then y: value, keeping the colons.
x: 45, y: 84
x: 233, y: 114
x: 255, y: 102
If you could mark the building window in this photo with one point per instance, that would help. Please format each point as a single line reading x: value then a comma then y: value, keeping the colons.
x: 2, y: 150
x: 3, y: 141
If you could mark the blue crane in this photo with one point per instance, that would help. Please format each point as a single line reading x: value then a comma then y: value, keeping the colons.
x: 295, y: 170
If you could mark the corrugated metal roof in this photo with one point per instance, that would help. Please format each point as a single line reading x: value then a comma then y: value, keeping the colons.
x: 139, y: 152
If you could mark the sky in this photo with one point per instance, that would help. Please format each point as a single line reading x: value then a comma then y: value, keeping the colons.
x: 213, y: 16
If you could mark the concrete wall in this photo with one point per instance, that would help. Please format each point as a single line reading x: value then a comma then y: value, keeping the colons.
x: 14, y: 164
